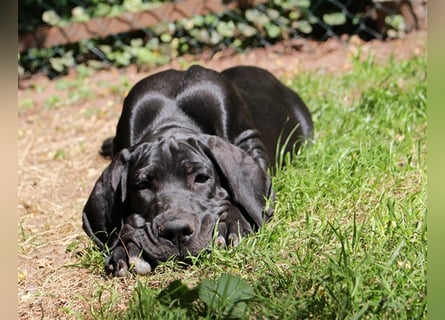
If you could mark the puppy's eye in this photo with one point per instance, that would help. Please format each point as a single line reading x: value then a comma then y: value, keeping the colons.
x: 144, y: 182
x: 141, y: 185
x: 202, y: 178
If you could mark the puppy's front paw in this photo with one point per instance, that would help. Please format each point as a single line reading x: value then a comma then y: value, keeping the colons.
x: 116, y: 263
x: 231, y: 229
x: 124, y: 259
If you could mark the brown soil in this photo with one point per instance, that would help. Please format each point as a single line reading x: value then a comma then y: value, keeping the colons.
x: 59, y: 163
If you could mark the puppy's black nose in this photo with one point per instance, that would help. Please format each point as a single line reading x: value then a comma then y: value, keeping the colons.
x: 177, y: 231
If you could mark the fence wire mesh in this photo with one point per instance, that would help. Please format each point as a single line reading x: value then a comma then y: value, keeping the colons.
x: 55, y: 35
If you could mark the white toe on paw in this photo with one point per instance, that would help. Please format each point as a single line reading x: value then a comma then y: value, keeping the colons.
x: 220, y: 242
x: 121, y: 269
x: 140, y: 266
x: 233, y: 239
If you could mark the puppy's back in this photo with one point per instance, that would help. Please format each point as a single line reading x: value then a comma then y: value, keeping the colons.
x: 279, y: 112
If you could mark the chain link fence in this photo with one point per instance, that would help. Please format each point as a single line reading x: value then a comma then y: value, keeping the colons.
x: 56, y: 35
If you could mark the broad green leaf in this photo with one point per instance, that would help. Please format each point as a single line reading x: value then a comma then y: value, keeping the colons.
x: 226, y: 296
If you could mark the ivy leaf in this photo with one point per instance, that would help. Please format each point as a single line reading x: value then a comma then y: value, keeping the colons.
x: 246, y: 30
x: 51, y: 18
x: 215, y: 37
x: 334, y: 19
x: 273, y: 13
x: 61, y: 63
x: 227, y: 296
x: 79, y: 14
x: 303, y: 3
x: 122, y: 58
x: 273, y: 31
x: 252, y: 15
x: 226, y: 29
x: 304, y: 26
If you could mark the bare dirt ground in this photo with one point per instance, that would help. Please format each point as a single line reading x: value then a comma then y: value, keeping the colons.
x: 59, y: 163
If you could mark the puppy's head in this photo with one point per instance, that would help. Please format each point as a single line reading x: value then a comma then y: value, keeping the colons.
x: 167, y: 197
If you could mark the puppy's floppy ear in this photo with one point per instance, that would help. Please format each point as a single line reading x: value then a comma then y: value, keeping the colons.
x: 248, y: 184
x: 103, y: 212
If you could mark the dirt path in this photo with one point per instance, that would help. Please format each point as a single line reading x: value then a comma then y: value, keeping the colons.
x: 59, y: 163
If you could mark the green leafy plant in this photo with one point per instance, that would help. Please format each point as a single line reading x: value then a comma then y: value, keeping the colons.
x: 260, y: 25
x: 225, y: 297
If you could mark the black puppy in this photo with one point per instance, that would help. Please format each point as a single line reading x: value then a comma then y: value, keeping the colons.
x: 189, y: 164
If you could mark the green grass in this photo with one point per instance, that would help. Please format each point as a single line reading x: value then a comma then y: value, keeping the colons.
x: 348, y: 239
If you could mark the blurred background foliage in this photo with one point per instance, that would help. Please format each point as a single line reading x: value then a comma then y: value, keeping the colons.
x: 247, y: 26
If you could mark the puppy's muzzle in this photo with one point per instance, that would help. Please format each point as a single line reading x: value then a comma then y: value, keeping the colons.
x: 178, y: 231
